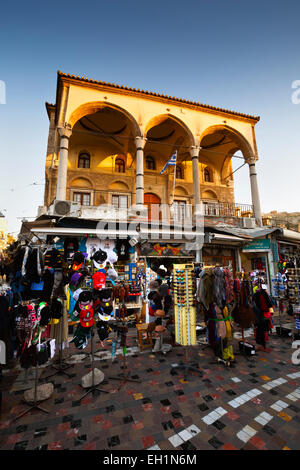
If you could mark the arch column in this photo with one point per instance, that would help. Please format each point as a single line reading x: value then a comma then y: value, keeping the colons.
x: 194, y: 151
x: 139, y: 182
x: 254, y: 191
x: 61, y: 185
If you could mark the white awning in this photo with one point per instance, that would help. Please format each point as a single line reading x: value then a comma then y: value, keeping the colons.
x: 290, y: 235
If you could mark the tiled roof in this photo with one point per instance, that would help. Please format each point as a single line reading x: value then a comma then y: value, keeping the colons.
x: 150, y: 93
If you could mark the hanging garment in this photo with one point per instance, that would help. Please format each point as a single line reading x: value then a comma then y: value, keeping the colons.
x: 220, y: 323
x: 219, y: 287
x: 42, y: 353
x: 205, y: 291
x: 58, y: 284
x: 52, y: 258
x: 48, y: 278
x: 81, y: 337
x: 28, y: 356
x: 242, y: 312
x: 229, y: 295
x: 35, y: 264
x: 70, y: 247
x: 103, y: 329
x: 44, y: 313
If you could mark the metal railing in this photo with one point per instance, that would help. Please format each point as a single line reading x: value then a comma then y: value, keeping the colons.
x: 227, y: 209
x: 176, y: 213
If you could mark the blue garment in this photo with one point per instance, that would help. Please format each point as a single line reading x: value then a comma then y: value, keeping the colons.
x: 72, y: 302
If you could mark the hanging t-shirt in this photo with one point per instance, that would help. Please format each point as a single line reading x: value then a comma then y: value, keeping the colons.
x: 92, y: 245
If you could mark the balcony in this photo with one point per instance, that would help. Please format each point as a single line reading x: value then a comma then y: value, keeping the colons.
x: 163, y: 214
x: 227, y: 209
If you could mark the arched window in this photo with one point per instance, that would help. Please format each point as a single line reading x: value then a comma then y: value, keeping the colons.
x: 207, y: 175
x: 179, y: 172
x: 150, y: 163
x: 84, y: 160
x: 120, y: 165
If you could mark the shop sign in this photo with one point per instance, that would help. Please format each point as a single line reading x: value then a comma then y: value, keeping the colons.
x: 275, y: 252
x: 164, y: 249
x: 261, y: 244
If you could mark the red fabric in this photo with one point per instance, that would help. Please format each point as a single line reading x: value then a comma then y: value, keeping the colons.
x: 263, y: 305
x: 86, y: 317
x: 99, y: 280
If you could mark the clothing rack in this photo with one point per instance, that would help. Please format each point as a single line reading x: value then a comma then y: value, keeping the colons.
x: 93, y: 387
x: 219, y: 360
x: 35, y: 405
x: 61, y: 366
x: 122, y: 376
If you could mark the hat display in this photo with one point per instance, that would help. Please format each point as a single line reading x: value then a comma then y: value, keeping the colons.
x: 159, y: 313
x: 105, y: 295
x: 75, y: 279
x: 85, y: 296
x: 44, y: 312
x: 99, y: 257
x: 99, y: 279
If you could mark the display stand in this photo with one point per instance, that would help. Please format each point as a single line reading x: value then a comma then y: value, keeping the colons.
x: 280, y: 310
x: 123, y: 376
x: 35, y: 405
x: 93, y: 388
x: 242, y: 351
x: 62, y: 366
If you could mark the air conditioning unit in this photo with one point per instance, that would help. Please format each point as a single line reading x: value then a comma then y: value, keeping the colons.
x: 248, y: 222
x: 64, y: 209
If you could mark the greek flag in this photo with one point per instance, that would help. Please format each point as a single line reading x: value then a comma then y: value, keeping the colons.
x: 171, y: 161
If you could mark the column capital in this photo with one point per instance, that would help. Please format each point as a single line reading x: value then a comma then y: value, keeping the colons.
x: 251, y: 161
x: 65, y: 132
x: 194, y: 151
x: 140, y: 142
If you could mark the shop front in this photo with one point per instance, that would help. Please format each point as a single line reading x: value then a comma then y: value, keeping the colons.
x: 256, y: 258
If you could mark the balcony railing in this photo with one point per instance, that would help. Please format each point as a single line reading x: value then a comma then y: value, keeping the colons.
x: 227, y: 209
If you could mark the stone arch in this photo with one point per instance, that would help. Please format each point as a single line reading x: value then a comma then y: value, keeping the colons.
x: 226, y: 168
x: 81, y: 182
x: 94, y: 106
x: 180, y: 191
x: 241, y: 143
x: 209, y: 194
x: 119, y: 186
x: 156, y: 120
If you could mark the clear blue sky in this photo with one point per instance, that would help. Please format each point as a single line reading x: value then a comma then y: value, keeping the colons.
x: 236, y: 54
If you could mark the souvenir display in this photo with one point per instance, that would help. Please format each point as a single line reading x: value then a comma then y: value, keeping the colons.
x: 184, y: 310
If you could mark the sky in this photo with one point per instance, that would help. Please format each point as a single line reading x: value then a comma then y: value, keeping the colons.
x: 234, y: 54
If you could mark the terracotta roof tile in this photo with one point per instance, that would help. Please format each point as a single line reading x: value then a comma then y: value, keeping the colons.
x: 173, y: 98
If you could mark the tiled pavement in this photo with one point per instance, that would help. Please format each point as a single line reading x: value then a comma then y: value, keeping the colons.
x: 254, y: 405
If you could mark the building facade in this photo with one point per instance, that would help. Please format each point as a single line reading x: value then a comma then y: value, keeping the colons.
x: 107, y: 145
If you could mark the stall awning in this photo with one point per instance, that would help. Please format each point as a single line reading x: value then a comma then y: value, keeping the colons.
x: 290, y: 235
x: 70, y: 231
x: 229, y: 238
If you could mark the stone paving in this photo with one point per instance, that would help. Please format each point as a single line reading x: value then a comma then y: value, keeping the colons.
x: 253, y: 405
